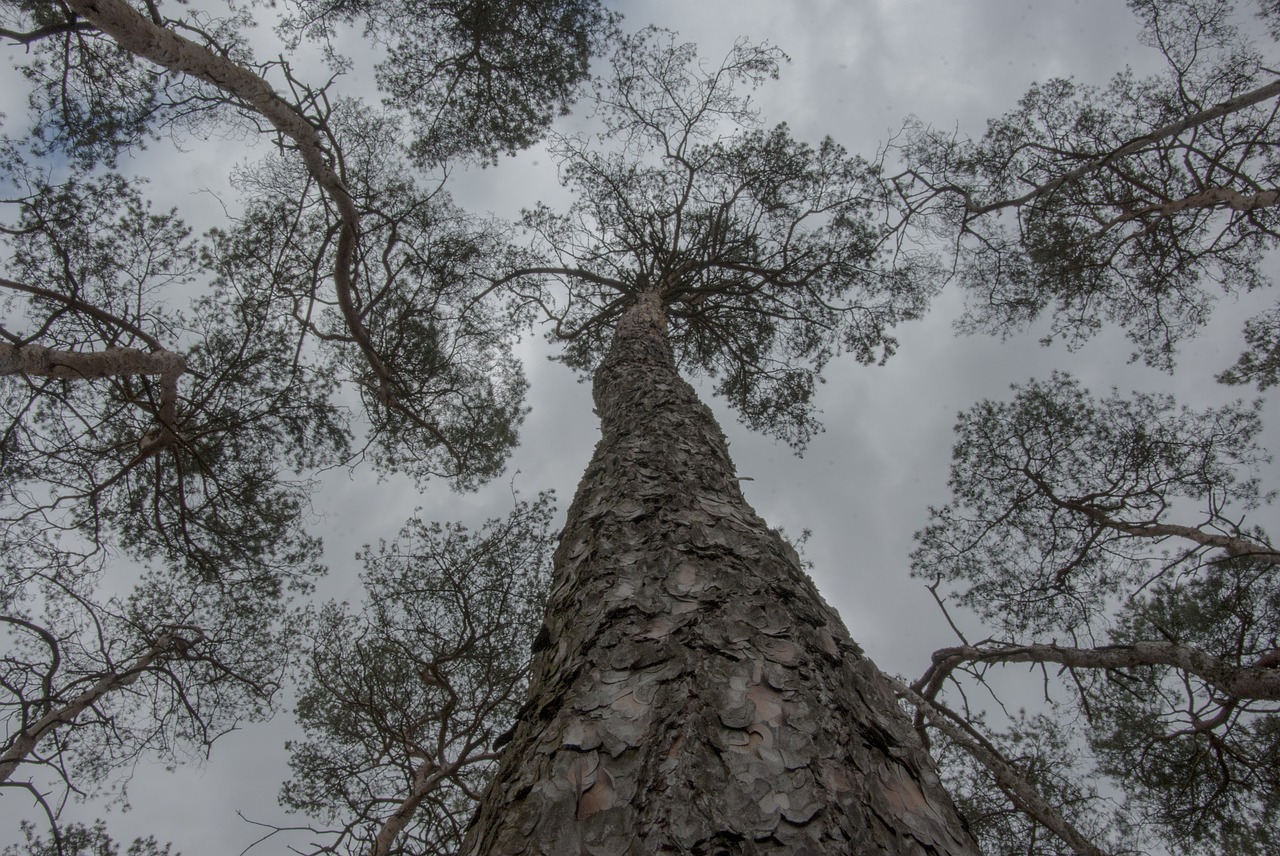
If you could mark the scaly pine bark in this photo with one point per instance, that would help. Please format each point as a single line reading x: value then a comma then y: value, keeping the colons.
x: 693, y: 693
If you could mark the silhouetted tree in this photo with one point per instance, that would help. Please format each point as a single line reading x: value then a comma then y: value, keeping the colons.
x: 80, y: 840
x: 1113, y: 543
x: 1064, y: 525
x: 1134, y: 204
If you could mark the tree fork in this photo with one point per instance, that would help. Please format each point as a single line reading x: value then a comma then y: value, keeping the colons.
x: 38, y: 361
x: 25, y: 742
x: 695, y: 694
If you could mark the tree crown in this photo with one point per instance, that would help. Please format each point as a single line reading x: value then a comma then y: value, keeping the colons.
x: 769, y: 254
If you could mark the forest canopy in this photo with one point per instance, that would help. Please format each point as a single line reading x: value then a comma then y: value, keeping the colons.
x: 179, y: 393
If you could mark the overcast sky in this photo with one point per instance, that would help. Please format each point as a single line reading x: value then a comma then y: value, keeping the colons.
x: 859, y: 67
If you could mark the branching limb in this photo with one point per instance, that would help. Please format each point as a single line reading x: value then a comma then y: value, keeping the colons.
x: 145, y: 39
x: 38, y: 361
x: 26, y: 742
x: 1023, y: 794
x: 1173, y: 129
x: 78, y: 305
x: 1259, y: 681
x: 1233, y: 545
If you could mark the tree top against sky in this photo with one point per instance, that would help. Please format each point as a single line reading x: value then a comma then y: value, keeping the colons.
x: 1136, y: 204
x: 770, y: 255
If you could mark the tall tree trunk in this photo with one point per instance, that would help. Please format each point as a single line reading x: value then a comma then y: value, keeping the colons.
x: 695, y: 694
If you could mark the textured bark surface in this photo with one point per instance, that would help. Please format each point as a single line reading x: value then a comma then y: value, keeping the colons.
x: 39, y: 361
x: 695, y: 694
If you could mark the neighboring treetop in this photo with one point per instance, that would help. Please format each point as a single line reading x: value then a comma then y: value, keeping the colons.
x: 168, y: 398
x: 1132, y: 204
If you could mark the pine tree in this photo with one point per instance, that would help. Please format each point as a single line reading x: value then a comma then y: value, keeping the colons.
x: 692, y: 692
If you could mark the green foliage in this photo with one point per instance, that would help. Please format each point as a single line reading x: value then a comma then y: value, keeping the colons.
x: 402, y: 700
x: 1044, y: 750
x: 98, y: 270
x: 91, y: 101
x: 1053, y: 490
x: 1260, y: 363
x: 1094, y: 206
x: 80, y: 840
x: 1063, y: 525
x: 447, y: 395
x: 768, y: 252
x: 1204, y: 765
x: 476, y: 78
x: 1099, y: 528
x: 197, y: 486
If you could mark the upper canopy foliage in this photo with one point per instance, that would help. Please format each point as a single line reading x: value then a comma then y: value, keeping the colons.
x: 769, y: 253
x: 477, y: 78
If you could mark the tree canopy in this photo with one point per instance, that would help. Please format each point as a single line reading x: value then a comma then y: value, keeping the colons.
x: 771, y: 255
x: 170, y: 395
x: 403, y: 702
x: 1063, y: 533
x: 1115, y: 543
x: 1134, y: 204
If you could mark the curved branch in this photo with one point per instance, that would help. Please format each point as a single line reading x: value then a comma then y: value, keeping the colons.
x: 1195, y: 120
x: 425, y: 778
x: 143, y: 38
x: 1232, y: 545
x: 87, y: 308
x: 26, y: 741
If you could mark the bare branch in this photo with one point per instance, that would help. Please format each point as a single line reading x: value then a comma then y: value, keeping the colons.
x: 87, y: 308
x: 25, y: 742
